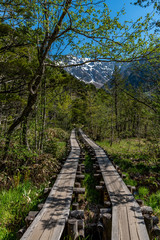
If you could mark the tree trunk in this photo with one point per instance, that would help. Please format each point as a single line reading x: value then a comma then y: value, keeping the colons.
x: 31, y: 101
x: 36, y: 146
x: 24, y: 134
x: 43, y: 114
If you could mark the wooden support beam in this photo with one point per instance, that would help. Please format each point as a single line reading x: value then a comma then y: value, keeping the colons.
x: 80, y: 177
x: 79, y: 190
x: 78, y: 214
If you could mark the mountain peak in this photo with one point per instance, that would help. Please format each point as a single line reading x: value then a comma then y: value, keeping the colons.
x: 96, y: 73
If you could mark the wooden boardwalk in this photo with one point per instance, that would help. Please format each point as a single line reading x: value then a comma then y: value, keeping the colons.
x: 50, y: 222
x: 127, y: 219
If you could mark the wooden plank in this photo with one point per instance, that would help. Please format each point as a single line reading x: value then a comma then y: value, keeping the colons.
x: 115, y: 223
x: 50, y: 222
x: 127, y: 219
x: 123, y: 223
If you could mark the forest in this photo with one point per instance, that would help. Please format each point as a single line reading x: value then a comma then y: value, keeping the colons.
x: 40, y: 102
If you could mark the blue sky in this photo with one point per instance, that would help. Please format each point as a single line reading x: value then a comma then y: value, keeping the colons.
x: 133, y: 12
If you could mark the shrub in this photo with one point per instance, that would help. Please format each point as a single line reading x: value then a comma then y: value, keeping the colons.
x: 58, y: 133
x: 143, y: 192
x: 154, y: 200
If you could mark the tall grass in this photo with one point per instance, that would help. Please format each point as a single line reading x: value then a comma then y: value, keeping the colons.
x: 15, y: 205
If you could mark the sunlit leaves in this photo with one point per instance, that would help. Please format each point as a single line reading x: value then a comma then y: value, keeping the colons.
x: 92, y: 29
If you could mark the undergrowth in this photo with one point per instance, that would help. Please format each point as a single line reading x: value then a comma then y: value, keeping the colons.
x: 26, y: 174
x: 15, y: 205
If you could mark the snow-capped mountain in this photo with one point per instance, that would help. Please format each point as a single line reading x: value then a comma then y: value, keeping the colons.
x: 98, y: 73
x: 93, y: 72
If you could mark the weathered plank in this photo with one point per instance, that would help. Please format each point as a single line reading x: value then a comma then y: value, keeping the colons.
x: 50, y: 222
x: 127, y: 219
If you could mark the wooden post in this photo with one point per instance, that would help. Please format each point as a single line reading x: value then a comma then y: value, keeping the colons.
x: 107, y: 204
x: 155, y: 220
x: 140, y: 202
x: 149, y: 224
x: 77, y: 184
x: 40, y: 206
x: 80, y: 177
x: 107, y: 223
x: 75, y: 206
x: 146, y: 210
x: 100, y: 228
x: 101, y: 190
x: 31, y: 216
x: 20, y: 233
x: 79, y: 168
x: 72, y: 228
x: 81, y: 233
x: 155, y: 232
x: 95, y: 166
x: 98, y: 176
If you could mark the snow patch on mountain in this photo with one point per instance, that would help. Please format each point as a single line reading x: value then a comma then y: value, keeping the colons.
x: 92, y: 72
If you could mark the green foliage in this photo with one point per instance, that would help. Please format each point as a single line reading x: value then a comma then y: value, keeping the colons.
x: 15, y: 205
x: 129, y: 181
x: 154, y: 201
x: 143, y: 192
x: 50, y: 146
x: 57, y: 133
x: 54, y: 142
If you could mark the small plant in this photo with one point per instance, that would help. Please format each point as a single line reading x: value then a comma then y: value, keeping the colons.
x: 129, y: 181
x: 154, y: 200
x: 143, y: 193
x: 16, y: 179
x: 89, y: 182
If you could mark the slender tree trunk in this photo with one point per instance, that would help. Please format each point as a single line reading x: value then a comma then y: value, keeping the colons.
x: 36, y: 127
x: 43, y: 114
x: 112, y: 130
x: 24, y: 133
x: 116, y: 105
